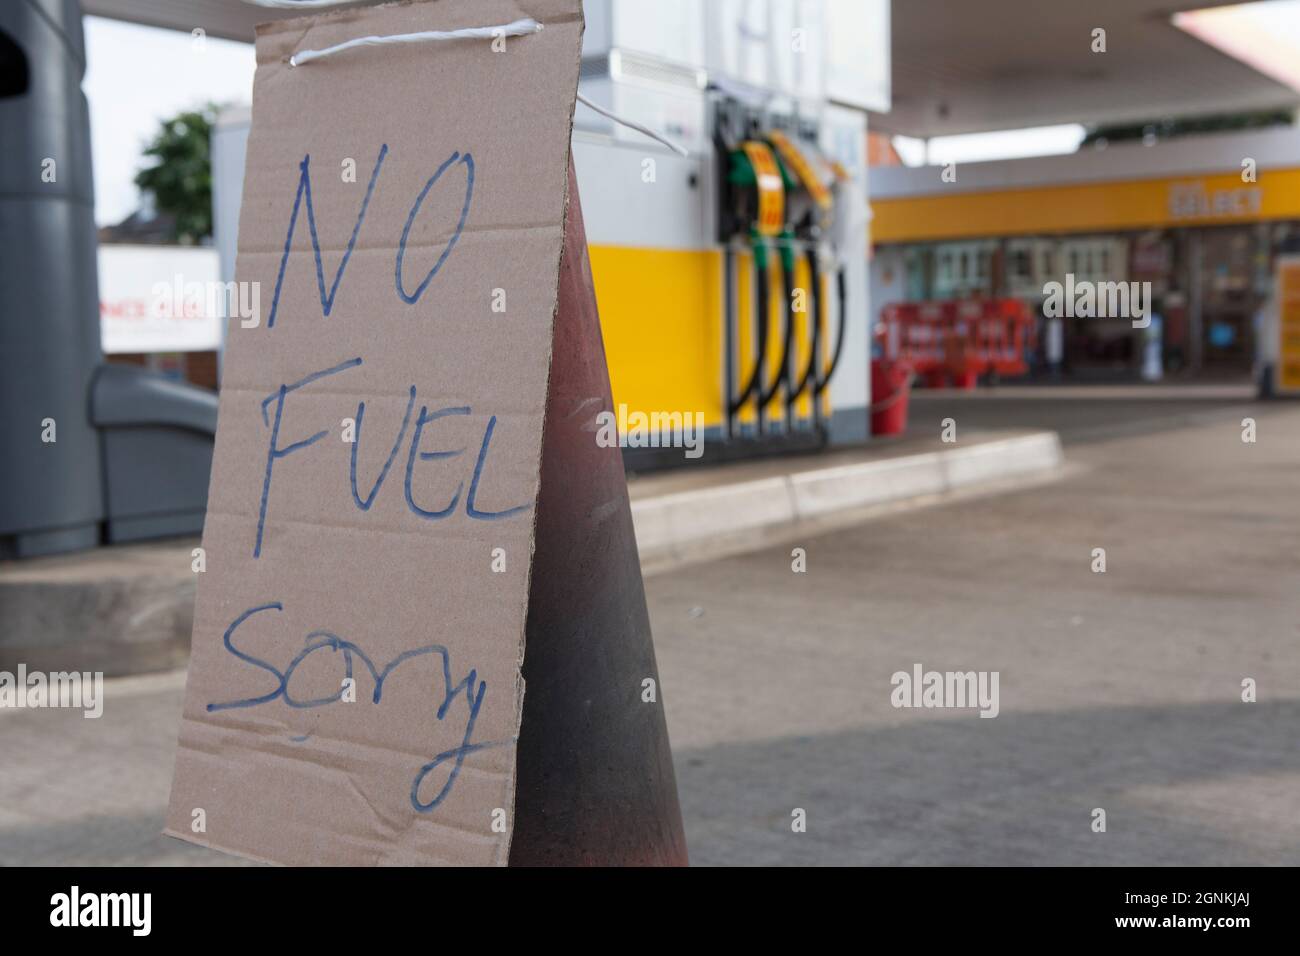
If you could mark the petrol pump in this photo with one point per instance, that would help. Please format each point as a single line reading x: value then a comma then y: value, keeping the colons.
x: 751, y: 216
x: 776, y: 211
x: 811, y: 217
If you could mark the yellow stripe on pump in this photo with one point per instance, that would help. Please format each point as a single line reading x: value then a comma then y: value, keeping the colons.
x: 796, y: 160
x: 771, y: 190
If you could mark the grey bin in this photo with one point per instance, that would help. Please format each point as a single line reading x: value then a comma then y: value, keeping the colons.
x: 156, y: 437
x: 132, y: 451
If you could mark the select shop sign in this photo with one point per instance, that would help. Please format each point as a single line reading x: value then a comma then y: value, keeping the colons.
x: 159, y: 299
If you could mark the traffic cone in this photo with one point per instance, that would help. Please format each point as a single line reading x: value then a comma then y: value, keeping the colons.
x: 595, y: 782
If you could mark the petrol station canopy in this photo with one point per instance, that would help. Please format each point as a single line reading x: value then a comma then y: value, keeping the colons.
x: 1009, y: 64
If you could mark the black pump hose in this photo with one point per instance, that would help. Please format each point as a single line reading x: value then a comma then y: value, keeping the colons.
x: 841, y: 289
x: 762, y: 298
x: 815, y: 290
x: 783, y: 376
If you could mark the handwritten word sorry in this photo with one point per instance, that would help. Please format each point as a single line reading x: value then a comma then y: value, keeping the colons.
x: 471, y: 687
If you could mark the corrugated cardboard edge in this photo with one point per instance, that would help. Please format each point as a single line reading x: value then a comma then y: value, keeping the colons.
x: 307, y: 21
x: 520, y: 689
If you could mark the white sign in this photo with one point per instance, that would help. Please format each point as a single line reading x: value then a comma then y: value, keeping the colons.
x: 159, y: 299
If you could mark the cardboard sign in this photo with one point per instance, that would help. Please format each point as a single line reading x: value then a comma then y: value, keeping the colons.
x: 355, y: 690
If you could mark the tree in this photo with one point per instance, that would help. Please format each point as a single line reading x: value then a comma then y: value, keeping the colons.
x: 181, y: 177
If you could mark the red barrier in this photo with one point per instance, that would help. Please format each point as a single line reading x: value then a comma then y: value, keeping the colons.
x: 958, y: 341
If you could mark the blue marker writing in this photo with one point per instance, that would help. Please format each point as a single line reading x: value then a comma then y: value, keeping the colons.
x: 274, y: 451
x: 473, y: 690
x: 425, y: 419
x: 410, y: 298
x: 470, y: 509
x: 365, y: 504
x: 304, y: 189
